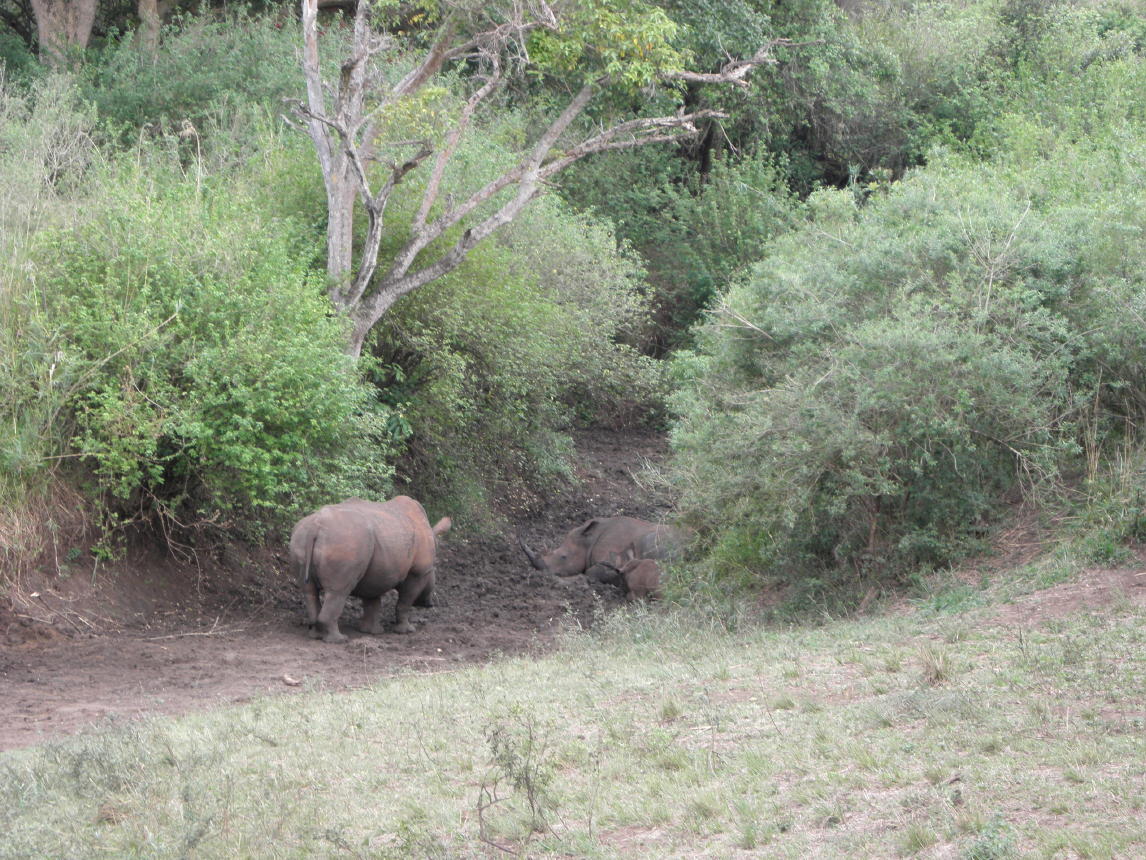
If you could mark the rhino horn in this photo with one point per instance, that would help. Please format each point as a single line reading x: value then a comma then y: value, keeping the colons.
x: 534, y: 559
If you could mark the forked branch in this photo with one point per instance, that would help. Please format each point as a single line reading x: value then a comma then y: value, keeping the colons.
x: 345, y: 142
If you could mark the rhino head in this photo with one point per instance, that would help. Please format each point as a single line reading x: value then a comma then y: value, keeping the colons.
x: 572, y: 556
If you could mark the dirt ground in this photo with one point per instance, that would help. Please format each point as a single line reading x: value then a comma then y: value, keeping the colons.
x: 82, y: 646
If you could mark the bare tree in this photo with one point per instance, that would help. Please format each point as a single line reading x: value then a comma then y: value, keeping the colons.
x: 345, y: 136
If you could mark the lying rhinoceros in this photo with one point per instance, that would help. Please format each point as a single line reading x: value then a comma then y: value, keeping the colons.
x: 603, y: 540
x: 365, y: 549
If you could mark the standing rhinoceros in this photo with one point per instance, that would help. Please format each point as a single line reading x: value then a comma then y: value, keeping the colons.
x: 602, y: 540
x: 365, y: 549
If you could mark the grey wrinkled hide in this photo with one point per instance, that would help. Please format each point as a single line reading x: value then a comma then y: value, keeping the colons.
x: 604, y: 540
x: 366, y: 549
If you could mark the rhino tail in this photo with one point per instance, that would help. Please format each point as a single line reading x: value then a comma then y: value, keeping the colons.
x: 308, y: 558
x: 442, y: 526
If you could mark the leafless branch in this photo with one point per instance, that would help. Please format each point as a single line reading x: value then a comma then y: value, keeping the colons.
x: 433, y: 187
x: 345, y: 142
x: 486, y: 43
x: 735, y: 70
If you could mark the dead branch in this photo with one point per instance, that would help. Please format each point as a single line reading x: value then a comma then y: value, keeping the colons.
x: 215, y: 630
x: 735, y: 70
x: 345, y: 142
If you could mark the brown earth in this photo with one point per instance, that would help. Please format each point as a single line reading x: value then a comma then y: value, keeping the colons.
x: 82, y: 645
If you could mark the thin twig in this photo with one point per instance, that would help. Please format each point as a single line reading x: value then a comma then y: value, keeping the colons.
x: 215, y: 630
x: 57, y: 612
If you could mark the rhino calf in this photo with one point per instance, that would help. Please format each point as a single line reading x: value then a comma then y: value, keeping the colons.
x: 638, y: 578
x: 642, y: 579
x: 602, y: 540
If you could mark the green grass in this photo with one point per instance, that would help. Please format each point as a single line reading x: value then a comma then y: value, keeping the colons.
x: 910, y: 735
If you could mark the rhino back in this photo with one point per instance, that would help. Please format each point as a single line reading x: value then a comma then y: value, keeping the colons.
x: 660, y: 542
x: 619, y: 536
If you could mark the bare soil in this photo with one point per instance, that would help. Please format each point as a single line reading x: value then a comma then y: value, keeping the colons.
x: 82, y: 645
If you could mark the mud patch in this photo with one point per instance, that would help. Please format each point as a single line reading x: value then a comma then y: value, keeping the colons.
x: 1095, y: 589
x: 159, y: 635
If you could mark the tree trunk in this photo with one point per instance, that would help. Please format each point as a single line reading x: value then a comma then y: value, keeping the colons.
x: 341, y: 194
x: 63, y: 27
x: 344, y: 140
x: 149, y: 24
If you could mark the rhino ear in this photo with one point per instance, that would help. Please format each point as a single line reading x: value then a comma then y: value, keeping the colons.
x: 587, y: 528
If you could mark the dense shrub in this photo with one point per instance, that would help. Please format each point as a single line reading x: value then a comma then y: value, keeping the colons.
x: 890, y: 373
x: 16, y: 61
x: 46, y: 154
x: 175, y: 348
x: 210, y: 71
x: 205, y: 374
x: 897, y: 369
x: 866, y: 95
x: 695, y: 234
x: 858, y: 100
x: 493, y: 364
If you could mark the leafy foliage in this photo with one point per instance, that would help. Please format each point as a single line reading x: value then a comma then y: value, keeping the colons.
x: 890, y: 373
x: 189, y: 368
x: 906, y: 361
x: 855, y: 101
x: 46, y: 154
x: 883, y: 366
x: 490, y: 364
x: 205, y: 376
x: 210, y: 71
x: 696, y: 235
x: 628, y: 42
x: 15, y: 59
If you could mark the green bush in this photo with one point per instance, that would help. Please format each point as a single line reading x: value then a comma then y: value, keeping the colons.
x: 859, y: 100
x: 16, y: 61
x: 493, y: 364
x: 695, y: 234
x: 891, y: 374
x: 862, y: 94
x: 489, y: 367
x: 46, y: 155
x: 209, y: 69
x: 206, y: 378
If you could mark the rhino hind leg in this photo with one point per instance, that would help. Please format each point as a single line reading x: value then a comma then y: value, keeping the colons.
x: 310, y: 597
x: 426, y: 598
x: 327, y: 624
x: 411, y: 592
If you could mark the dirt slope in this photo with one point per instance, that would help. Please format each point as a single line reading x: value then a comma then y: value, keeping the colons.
x: 157, y: 637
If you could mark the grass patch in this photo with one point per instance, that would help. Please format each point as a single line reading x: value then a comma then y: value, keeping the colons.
x: 655, y: 736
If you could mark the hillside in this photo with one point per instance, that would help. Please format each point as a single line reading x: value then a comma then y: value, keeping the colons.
x: 1010, y: 726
